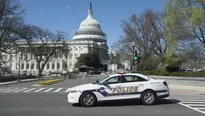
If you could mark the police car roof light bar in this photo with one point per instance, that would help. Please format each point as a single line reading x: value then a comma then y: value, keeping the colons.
x: 121, y: 72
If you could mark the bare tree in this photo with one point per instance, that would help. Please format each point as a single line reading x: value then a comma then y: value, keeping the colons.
x: 10, y: 20
x: 43, y: 45
x: 147, y: 31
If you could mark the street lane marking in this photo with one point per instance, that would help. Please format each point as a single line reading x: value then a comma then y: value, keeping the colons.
x: 67, y: 90
x: 198, y: 102
x: 194, y: 100
x: 39, y: 89
x: 11, y: 90
x: 196, y: 105
x: 48, y: 90
x: 58, y: 90
x: 30, y: 89
x: 20, y: 90
x: 196, y: 109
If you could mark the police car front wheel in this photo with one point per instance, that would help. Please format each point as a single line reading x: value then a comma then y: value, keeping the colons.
x: 148, y: 97
x: 88, y: 99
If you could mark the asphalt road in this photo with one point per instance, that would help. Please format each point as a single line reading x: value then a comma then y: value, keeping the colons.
x: 53, y: 104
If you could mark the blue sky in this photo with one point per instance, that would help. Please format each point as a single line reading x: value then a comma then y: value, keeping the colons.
x: 66, y: 15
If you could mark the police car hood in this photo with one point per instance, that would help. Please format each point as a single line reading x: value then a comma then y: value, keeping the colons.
x: 88, y: 86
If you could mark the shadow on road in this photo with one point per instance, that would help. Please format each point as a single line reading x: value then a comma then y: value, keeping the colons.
x: 133, y: 102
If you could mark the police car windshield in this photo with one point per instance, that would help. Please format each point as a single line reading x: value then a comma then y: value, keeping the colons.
x: 102, y: 78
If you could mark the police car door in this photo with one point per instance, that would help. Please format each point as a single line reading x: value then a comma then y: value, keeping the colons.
x: 109, y: 87
x: 130, y: 86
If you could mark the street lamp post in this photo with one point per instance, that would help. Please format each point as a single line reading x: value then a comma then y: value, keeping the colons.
x: 19, y: 67
x: 133, y: 61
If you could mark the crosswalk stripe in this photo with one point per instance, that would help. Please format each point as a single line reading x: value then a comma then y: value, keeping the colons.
x: 194, y: 101
x: 196, y: 105
x: 4, y: 89
x: 191, y: 107
x: 20, y: 90
x: 11, y: 90
x: 67, y: 90
x: 30, y: 89
x: 48, y: 89
x: 198, y: 102
x: 39, y: 89
x: 58, y: 90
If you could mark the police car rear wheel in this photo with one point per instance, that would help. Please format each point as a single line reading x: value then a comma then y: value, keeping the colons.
x: 88, y: 100
x: 148, y: 97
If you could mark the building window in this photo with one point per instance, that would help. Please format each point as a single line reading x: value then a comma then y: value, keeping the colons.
x: 27, y: 66
x: 32, y: 66
x: 22, y: 66
x: 65, y: 66
x: 70, y: 56
x: 48, y: 66
x: 76, y: 49
x: 11, y: 56
x: 58, y: 65
x: 53, y: 66
x: 81, y: 48
x: 66, y: 56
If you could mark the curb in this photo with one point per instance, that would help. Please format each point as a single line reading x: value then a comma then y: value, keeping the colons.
x: 14, y: 82
x: 179, y: 78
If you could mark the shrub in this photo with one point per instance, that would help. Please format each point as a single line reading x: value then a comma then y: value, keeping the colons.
x: 164, y: 73
x: 174, y: 74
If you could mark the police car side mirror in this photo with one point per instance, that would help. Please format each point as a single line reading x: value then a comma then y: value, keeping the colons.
x: 104, y: 83
x: 97, y: 81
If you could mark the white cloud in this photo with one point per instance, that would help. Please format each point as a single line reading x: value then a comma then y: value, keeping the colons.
x: 68, y: 7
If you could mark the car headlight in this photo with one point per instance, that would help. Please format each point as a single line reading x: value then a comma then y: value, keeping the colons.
x: 73, y: 91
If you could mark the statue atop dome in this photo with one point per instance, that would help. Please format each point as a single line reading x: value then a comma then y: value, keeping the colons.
x: 90, y: 6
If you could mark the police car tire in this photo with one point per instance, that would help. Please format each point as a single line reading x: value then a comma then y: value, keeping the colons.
x: 94, y: 99
x: 150, y: 92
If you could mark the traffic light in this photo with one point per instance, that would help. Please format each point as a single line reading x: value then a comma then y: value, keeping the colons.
x: 135, y: 55
x: 138, y: 61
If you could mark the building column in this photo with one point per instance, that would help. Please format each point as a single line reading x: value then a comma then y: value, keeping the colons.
x: 61, y: 65
x: 24, y: 65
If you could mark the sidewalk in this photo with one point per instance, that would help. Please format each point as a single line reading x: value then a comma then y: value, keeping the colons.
x: 196, y: 89
x: 13, y: 82
x: 179, y: 78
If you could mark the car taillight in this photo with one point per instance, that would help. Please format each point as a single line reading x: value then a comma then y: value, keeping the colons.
x: 165, y: 83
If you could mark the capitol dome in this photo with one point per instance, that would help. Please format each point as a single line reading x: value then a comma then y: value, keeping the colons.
x: 90, y: 29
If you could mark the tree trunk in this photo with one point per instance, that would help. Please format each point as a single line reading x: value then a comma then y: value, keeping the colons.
x: 39, y: 70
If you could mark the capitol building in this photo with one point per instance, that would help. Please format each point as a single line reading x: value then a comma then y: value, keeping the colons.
x: 88, y: 38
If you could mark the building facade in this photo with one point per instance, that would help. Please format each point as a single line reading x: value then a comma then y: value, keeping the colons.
x: 88, y: 38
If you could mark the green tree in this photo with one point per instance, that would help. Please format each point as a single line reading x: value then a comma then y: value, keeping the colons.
x: 89, y: 59
x: 185, y: 19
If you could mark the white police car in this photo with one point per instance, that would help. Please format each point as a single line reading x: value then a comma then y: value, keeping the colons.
x: 117, y: 87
